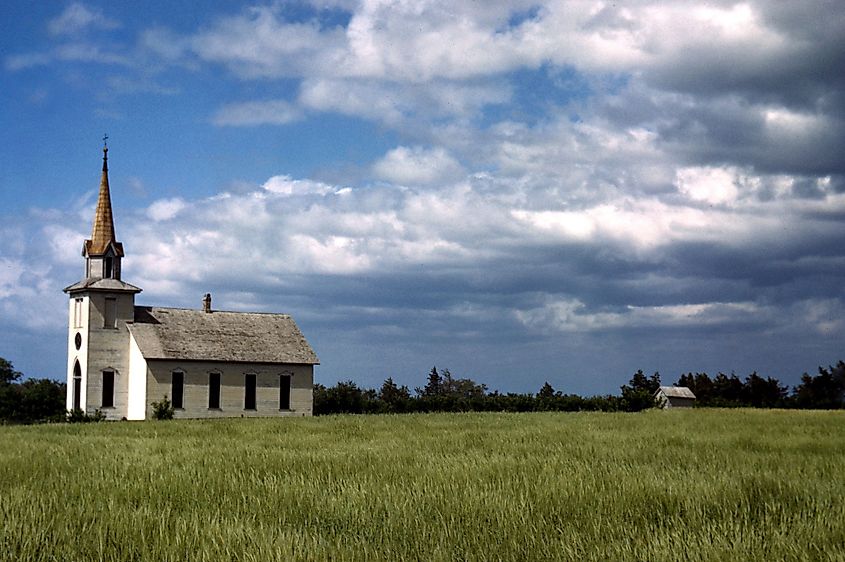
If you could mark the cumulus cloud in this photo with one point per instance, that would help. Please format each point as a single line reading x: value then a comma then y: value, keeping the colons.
x: 417, y: 166
x: 165, y: 209
x: 285, y: 185
x: 711, y: 185
x: 397, y: 104
x: 561, y: 170
x: 746, y: 83
x: 260, y: 44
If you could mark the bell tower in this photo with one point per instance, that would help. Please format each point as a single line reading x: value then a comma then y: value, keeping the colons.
x: 100, y: 306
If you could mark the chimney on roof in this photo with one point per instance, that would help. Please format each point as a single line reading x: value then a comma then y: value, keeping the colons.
x: 206, y: 303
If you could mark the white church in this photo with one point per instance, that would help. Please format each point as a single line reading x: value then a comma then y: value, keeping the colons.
x: 208, y: 363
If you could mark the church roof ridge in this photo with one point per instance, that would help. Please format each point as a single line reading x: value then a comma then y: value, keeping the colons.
x: 214, y: 311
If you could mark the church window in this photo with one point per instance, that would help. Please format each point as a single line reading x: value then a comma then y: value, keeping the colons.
x: 77, y: 386
x: 108, y: 389
x: 77, y: 340
x: 213, y: 391
x: 77, y: 313
x: 110, y: 315
x: 249, y: 392
x: 177, y: 389
x: 108, y: 267
x: 284, y: 392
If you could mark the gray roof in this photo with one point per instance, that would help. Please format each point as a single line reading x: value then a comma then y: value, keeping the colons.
x: 100, y: 284
x: 194, y: 335
x: 677, y: 392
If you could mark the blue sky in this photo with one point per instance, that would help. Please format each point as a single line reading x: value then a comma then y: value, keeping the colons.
x: 519, y: 191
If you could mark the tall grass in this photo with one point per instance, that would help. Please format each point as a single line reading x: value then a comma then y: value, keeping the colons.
x: 683, y: 485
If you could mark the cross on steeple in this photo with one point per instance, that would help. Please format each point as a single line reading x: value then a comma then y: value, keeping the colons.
x: 105, y: 140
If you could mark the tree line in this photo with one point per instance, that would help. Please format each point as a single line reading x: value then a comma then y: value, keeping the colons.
x: 43, y: 400
x: 444, y: 392
x: 29, y: 401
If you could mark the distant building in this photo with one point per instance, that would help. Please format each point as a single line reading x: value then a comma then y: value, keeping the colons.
x: 209, y: 363
x: 674, y: 397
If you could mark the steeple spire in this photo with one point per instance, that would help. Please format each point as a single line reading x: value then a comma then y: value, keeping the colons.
x: 102, y: 233
x: 102, y: 252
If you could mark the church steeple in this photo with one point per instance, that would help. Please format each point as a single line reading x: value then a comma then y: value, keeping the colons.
x: 101, y: 306
x: 103, y: 252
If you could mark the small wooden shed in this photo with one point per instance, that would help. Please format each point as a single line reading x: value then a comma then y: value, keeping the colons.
x: 674, y: 397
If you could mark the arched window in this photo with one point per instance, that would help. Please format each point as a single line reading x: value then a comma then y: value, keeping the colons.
x: 77, y: 386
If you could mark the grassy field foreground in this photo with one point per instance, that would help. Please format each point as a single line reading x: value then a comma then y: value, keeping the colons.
x: 700, y: 484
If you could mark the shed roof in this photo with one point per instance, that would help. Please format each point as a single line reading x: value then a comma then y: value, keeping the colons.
x: 677, y: 392
x: 195, y: 335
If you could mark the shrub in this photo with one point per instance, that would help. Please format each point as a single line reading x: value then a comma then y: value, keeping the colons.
x: 163, y: 410
x: 78, y: 416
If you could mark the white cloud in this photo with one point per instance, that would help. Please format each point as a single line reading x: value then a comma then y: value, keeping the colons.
x: 285, y: 185
x: 10, y: 271
x: 267, y: 112
x: 823, y: 316
x: 697, y: 145
x: 27, y: 60
x: 369, y: 100
x: 88, y: 52
x: 712, y: 185
x: 572, y: 315
x: 257, y: 44
x: 397, y: 104
x: 417, y: 166
x: 28, y: 294
x: 421, y: 41
x: 77, y: 17
x: 65, y: 243
x: 164, y: 43
x: 636, y: 224
x: 165, y: 209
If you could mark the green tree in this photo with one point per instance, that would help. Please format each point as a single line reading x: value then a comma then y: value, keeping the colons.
x: 434, y: 386
x: 8, y: 374
x: 638, y: 394
x: 42, y: 400
x: 343, y: 398
x: 727, y: 391
x: 824, y: 391
x: 461, y: 388
x: 393, y: 398
x: 701, y: 386
x: 9, y: 391
x: 763, y: 393
x: 545, y: 399
x: 546, y: 392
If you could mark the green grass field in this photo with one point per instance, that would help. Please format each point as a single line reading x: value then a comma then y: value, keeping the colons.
x: 693, y: 485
